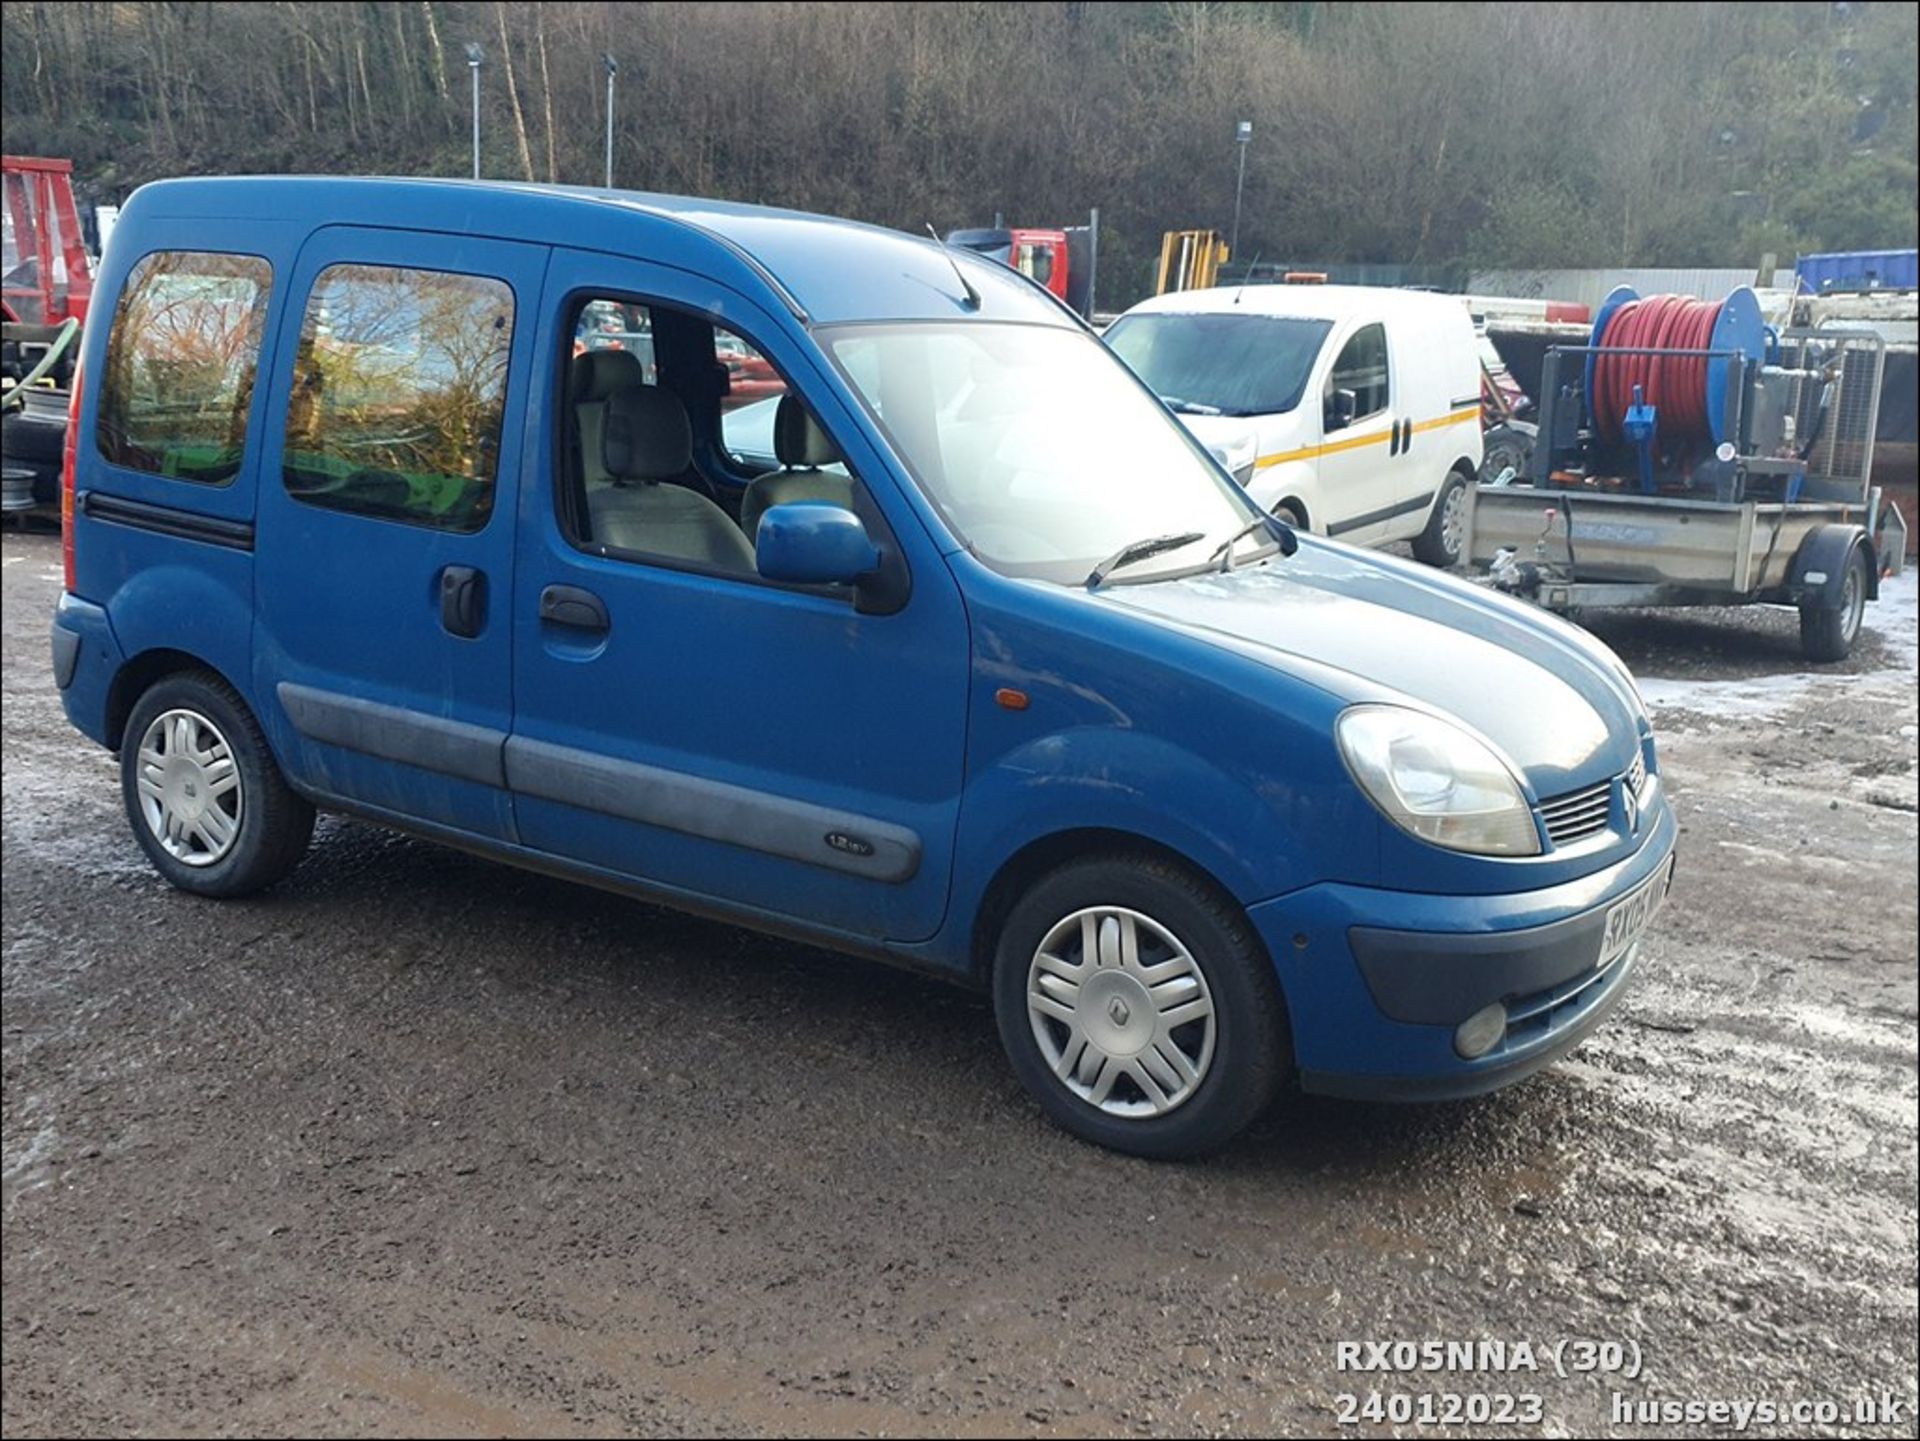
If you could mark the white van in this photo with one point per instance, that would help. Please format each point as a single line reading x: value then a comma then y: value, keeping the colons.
x: 1349, y: 410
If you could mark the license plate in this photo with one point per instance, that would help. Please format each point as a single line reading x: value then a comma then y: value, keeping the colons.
x: 1627, y: 918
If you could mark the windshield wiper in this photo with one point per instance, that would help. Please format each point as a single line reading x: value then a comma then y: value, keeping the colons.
x: 1182, y: 406
x: 1140, y: 550
x: 1282, y: 534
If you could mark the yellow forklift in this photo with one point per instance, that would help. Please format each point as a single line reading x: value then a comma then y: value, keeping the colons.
x: 1189, y: 260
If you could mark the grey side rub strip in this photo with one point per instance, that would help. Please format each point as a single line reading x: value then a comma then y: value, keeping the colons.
x: 1374, y: 517
x: 453, y: 748
x: 673, y: 800
x: 714, y: 810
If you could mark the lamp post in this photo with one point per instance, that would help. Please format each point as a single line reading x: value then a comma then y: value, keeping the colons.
x: 474, y: 58
x: 1242, y: 134
x: 613, y: 69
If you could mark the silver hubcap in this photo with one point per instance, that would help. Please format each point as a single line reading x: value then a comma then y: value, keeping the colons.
x: 189, y: 787
x: 1453, y: 519
x: 1121, y: 1011
x: 1853, y: 602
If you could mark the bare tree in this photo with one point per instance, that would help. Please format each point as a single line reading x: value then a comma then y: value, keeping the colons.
x: 546, y: 90
x: 513, y: 90
x: 1377, y: 134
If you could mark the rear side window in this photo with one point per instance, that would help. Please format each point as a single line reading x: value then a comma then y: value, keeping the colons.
x: 181, y: 361
x: 399, y: 388
x: 1362, y: 368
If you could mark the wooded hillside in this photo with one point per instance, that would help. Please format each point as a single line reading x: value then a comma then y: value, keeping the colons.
x: 1527, y: 134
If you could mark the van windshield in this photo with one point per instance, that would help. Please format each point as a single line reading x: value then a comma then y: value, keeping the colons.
x: 1039, y: 450
x: 1220, y: 364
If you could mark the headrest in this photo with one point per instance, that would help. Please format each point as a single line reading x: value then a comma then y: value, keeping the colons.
x: 796, y: 439
x: 647, y: 436
x: 598, y: 373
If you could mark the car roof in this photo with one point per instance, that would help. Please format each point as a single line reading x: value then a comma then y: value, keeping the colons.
x: 1308, y: 302
x: 821, y: 268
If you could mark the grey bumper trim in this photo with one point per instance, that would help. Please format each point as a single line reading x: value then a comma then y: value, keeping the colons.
x: 1434, y: 979
x: 66, y: 654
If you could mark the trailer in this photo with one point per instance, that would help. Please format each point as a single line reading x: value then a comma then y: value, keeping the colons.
x: 1688, y: 455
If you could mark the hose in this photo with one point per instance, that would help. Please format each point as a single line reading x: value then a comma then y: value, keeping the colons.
x: 17, y: 394
x: 1675, y: 385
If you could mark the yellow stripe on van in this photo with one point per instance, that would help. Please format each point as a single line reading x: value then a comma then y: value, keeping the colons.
x: 1357, y: 442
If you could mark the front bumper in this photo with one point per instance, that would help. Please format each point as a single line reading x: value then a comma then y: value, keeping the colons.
x: 1376, y: 981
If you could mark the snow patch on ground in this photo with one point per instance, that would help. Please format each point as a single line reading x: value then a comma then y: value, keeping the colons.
x: 1894, y: 617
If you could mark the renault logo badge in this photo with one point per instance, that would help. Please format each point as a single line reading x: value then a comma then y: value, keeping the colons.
x: 1117, y: 1009
x: 1632, y: 804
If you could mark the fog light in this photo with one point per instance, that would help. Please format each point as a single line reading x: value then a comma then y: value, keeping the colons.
x: 1481, y: 1032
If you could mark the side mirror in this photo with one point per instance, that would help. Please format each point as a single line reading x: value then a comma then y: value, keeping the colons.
x: 1342, y: 407
x: 814, y: 542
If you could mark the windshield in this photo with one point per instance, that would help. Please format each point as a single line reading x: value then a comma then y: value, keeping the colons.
x: 1238, y: 364
x: 1038, y: 449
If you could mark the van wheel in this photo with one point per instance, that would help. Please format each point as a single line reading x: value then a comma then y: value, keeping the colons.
x: 1288, y: 514
x: 1827, y: 632
x: 1139, y: 1008
x: 1439, y: 544
x: 205, y: 797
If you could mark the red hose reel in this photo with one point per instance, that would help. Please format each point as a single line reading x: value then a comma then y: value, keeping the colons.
x: 1675, y: 385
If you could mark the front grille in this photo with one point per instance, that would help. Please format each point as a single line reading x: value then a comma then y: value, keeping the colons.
x: 1578, y: 814
x: 1637, y: 774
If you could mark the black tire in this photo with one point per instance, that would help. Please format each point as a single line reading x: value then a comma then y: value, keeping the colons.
x: 1439, y: 544
x: 273, y: 824
x: 1251, y: 1053
x: 1287, y: 512
x: 1827, y: 632
x: 1508, y: 445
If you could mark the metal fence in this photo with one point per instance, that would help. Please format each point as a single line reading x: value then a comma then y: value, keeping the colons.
x: 1590, y: 287
x: 1850, y: 361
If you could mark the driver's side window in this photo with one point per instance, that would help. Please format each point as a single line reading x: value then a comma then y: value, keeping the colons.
x: 677, y: 436
x: 1361, y: 368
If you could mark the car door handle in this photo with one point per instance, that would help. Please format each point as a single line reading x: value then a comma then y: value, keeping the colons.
x: 463, y: 600
x: 569, y: 605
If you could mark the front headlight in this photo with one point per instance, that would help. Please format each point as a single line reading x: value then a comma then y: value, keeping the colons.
x: 1436, y: 781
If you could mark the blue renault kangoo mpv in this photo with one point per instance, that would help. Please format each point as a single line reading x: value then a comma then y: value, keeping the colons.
x: 417, y: 500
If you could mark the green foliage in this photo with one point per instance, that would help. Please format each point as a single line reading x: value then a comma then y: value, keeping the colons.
x: 1437, y: 133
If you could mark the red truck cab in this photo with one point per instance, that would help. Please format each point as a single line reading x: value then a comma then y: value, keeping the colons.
x: 1040, y: 255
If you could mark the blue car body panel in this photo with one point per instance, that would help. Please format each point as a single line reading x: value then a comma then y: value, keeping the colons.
x: 771, y: 752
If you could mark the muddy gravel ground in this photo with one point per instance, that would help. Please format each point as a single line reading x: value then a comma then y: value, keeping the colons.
x: 420, y: 1145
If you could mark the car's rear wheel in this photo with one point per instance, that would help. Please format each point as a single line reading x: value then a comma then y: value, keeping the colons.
x: 205, y: 797
x: 1138, y: 1006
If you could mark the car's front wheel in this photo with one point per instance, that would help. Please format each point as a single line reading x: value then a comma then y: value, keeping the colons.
x: 1441, y: 542
x: 1138, y: 1006
x: 204, y: 795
